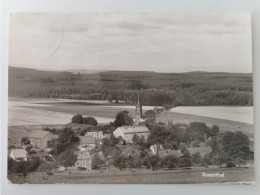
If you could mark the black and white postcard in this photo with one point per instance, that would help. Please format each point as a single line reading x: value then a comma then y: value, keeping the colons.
x: 130, y: 98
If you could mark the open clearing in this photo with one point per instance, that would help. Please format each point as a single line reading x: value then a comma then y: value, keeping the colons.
x: 60, y: 111
x: 194, y: 175
x: 239, y: 114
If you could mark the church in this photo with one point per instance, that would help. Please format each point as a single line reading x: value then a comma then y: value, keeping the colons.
x: 127, y: 132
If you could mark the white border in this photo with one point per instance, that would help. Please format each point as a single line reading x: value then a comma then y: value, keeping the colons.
x: 9, y: 6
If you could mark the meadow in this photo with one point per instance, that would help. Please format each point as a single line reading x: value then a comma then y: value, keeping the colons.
x: 60, y: 111
x: 181, y: 176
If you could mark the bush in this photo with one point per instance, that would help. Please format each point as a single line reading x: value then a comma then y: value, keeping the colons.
x: 49, y: 173
x: 47, y: 166
x: 230, y: 164
x: 89, y: 121
x: 82, y: 168
x: 78, y: 118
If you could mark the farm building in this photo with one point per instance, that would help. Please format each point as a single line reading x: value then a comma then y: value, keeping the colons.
x: 39, y: 139
x: 203, y: 151
x: 18, y: 154
x: 83, y: 160
x: 94, y: 131
x: 87, y: 143
x: 127, y: 132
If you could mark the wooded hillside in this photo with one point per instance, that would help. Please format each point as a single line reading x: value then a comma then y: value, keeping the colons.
x: 155, y: 89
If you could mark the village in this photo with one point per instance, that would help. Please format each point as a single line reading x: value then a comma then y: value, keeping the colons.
x: 140, y: 143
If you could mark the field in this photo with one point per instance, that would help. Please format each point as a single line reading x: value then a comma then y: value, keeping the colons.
x: 233, y: 113
x: 42, y: 112
x: 193, y: 175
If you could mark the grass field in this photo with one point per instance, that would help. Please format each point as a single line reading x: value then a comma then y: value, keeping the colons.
x: 41, y: 112
x: 242, y: 114
x: 194, y: 175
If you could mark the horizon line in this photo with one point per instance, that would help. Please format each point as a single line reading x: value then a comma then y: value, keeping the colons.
x: 98, y: 70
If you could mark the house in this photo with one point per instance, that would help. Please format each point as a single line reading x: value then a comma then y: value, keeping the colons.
x: 83, y: 160
x: 19, y: 154
x: 94, y: 131
x: 127, y: 132
x: 87, y: 143
x: 203, y: 151
x: 40, y: 139
x: 155, y: 148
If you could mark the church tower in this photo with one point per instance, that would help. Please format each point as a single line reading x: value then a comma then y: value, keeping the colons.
x: 138, y: 112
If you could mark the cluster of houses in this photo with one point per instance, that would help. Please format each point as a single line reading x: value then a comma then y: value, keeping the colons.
x: 92, y: 138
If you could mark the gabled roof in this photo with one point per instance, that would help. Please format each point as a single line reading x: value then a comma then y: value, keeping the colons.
x: 19, y: 153
x: 84, y: 155
x: 133, y: 129
x: 87, y: 140
x: 202, y: 150
x: 39, y: 134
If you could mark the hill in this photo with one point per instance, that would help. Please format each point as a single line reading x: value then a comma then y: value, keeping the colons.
x: 155, y: 89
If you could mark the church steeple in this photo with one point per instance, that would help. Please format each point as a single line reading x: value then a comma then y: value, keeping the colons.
x: 138, y: 111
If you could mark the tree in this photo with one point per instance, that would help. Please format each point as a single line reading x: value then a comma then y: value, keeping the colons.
x: 67, y: 140
x: 170, y: 161
x: 150, y: 118
x: 196, y: 158
x: 219, y: 156
x: 236, y: 146
x: 123, y: 118
x: 185, y: 159
x: 89, y: 121
x: 78, y: 118
x: 25, y: 140
x: 67, y: 158
x: 96, y: 161
x: 154, y: 160
x: 158, y: 134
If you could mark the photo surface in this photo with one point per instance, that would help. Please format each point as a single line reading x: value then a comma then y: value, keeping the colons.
x: 130, y: 98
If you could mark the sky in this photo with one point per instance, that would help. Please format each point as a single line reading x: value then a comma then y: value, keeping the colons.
x: 161, y: 42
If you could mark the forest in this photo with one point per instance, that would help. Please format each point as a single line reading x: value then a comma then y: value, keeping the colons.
x: 154, y: 89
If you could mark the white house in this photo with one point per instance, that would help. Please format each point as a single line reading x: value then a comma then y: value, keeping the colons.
x: 96, y: 132
x: 18, y: 154
x: 127, y: 132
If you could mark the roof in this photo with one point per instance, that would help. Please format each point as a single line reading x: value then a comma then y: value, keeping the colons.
x: 39, y: 134
x: 19, y: 153
x: 84, y: 155
x: 133, y: 129
x: 87, y: 140
x: 167, y: 152
x: 202, y: 150
x: 94, y: 128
